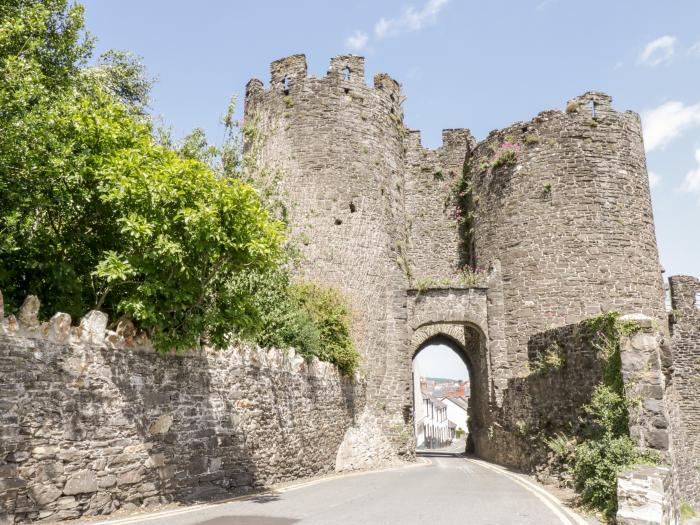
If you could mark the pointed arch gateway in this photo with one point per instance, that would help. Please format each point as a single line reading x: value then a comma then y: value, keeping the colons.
x: 468, y: 341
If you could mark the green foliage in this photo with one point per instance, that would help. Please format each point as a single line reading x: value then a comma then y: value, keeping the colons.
x: 530, y: 139
x: 562, y: 446
x: 124, y: 76
x: 194, y: 146
x: 471, y: 276
x: 687, y: 511
x: 597, y: 463
x: 465, y: 215
x: 605, y: 451
x: 552, y: 359
x: 312, y: 319
x: 505, y: 158
x: 93, y: 212
x: 426, y: 283
x: 331, y: 318
x: 99, y: 210
x: 465, y: 276
x: 603, y: 448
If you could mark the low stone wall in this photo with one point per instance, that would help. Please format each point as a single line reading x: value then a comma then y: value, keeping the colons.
x: 644, y: 497
x: 92, y: 420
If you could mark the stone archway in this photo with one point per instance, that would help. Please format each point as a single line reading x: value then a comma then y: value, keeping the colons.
x: 468, y: 341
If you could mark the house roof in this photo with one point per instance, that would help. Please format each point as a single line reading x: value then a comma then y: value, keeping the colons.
x: 459, y: 401
x: 435, y: 401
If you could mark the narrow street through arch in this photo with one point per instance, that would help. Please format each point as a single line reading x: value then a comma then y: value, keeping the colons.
x: 441, y: 393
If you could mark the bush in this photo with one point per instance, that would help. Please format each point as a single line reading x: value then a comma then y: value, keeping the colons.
x: 603, y: 448
x: 308, y: 317
x: 550, y: 360
x: 95, y: 212
x: 605, y: 451
x: 506, y: 158
x: 331, y: 318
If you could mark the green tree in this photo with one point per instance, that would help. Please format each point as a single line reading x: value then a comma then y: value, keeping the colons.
x: 94, y: 212
x: 98, y: 211
x: 124, y: 76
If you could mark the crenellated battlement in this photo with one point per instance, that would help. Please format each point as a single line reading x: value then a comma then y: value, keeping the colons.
x: 286, y: 72
x: 345, y: 70
x: 345, y: 73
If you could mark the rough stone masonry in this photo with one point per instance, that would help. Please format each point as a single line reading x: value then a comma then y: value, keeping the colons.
x: 554, y: 216
x: 556, y: 212
x: 93, y: 420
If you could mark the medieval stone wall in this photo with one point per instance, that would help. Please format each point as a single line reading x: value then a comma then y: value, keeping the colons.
x: 92, y: 420
x: 340, y: 146
x: 542, y: 402
x: 684, y: 391
x: 434, y: 247
x: 564, y: 225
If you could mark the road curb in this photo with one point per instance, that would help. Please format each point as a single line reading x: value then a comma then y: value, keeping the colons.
x: 567, y: 515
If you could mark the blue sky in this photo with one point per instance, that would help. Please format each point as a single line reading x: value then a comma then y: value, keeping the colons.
x: 475, y: 64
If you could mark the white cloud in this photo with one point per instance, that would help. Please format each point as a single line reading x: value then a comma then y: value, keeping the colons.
x: 666, y: 122
x: 658, y: 51
x: 654, y: 179
x: 694, y: 49
x: 691, y: 183
x: 358, y: 40
x: 412, y: 19
x: 544, y: 4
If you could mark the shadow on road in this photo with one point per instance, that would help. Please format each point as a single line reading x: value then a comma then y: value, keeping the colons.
x: 265, y: 497
x: 248, y: 520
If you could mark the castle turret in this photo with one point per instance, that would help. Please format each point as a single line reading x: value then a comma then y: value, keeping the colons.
x: 339, y: 145
x: 562, y: 203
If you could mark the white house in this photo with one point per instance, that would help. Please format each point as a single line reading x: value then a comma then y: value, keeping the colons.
x: 457, y: 411
x: 430, y: 417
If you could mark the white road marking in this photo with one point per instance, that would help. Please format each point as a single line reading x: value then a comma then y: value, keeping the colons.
x: 566, y: 515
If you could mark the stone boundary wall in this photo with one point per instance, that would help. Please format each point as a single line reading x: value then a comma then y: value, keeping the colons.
x: 644, y: 497
x: 684, y: 391
x: 543, y: 402
x: 93, y: 420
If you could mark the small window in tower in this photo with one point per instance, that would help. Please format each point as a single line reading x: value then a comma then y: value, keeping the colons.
x: 346, y: 73
x: 338, y: 222
x: 697, y: 300
x: 353, y: 208
x: 285, y: 85
x: 593, y: 108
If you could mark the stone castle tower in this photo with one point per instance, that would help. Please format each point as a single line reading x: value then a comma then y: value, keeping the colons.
x: 556, y: 209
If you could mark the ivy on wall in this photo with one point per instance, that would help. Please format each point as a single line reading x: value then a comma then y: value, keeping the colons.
x: 603, y: 447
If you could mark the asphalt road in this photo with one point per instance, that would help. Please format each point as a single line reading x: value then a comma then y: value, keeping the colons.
x: 449, y: 490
